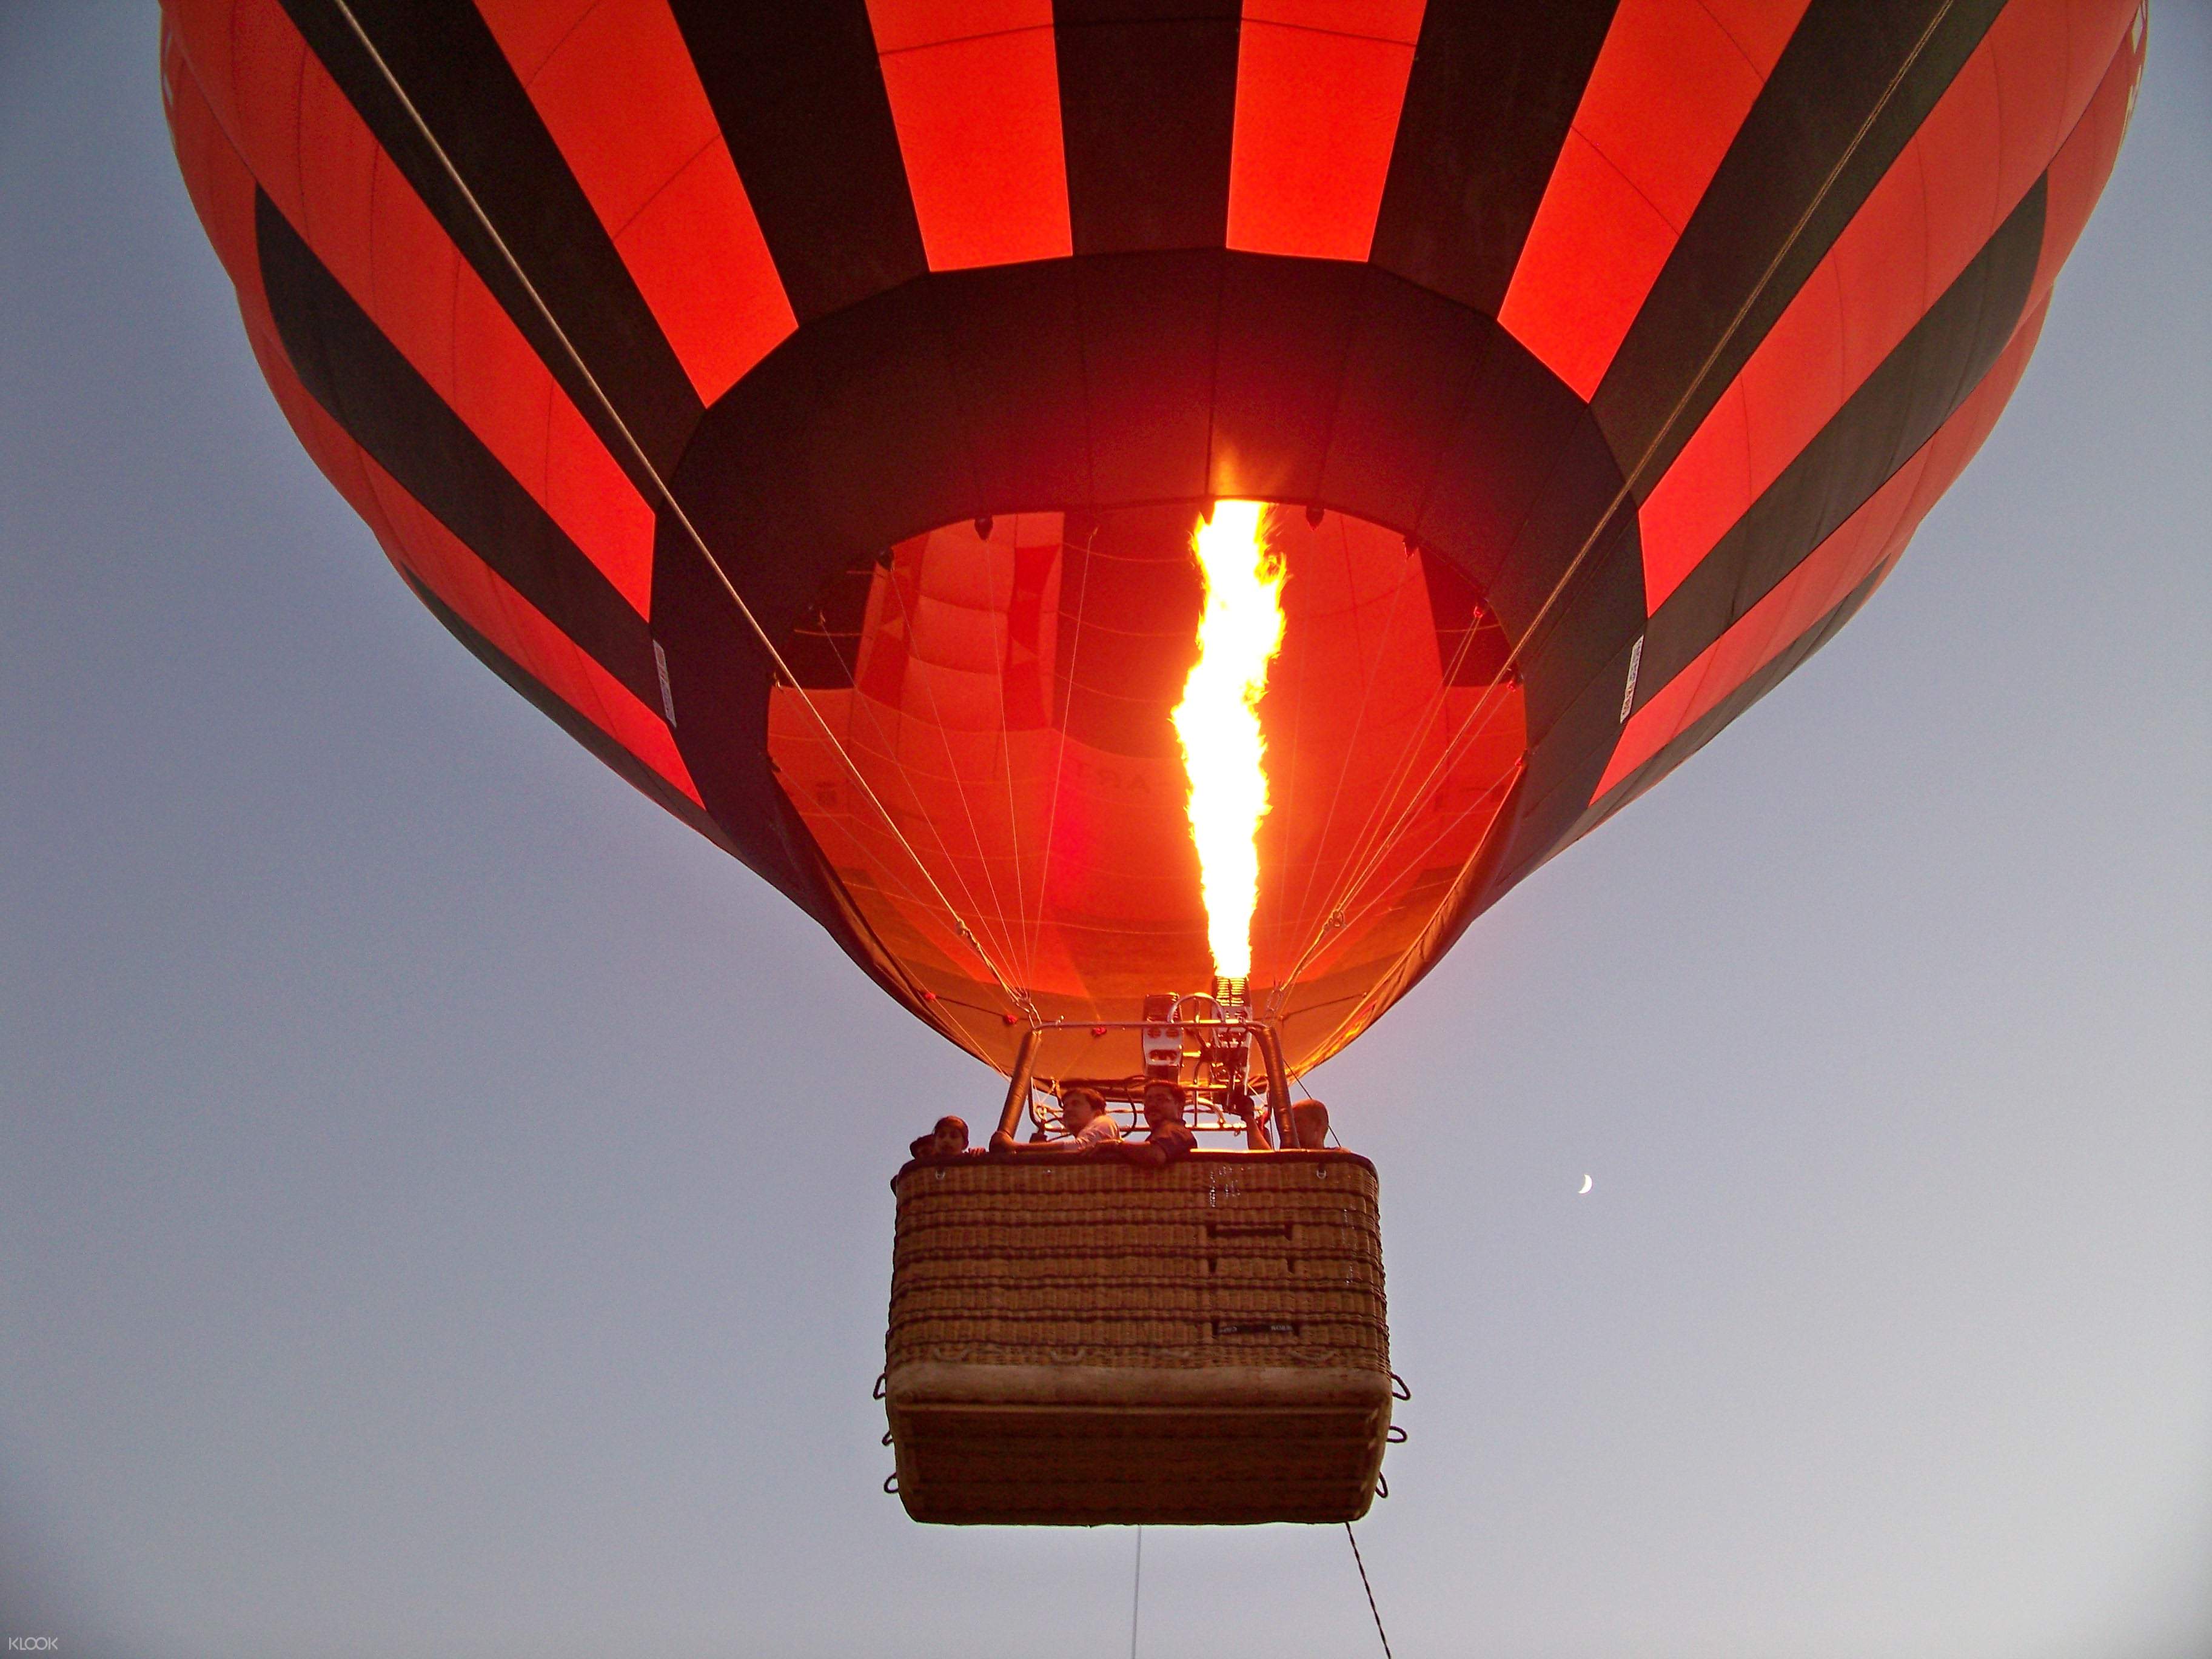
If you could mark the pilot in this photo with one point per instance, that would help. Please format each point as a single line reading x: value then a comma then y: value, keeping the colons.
x: 1308, y: 1125
x: 1169, y: 1136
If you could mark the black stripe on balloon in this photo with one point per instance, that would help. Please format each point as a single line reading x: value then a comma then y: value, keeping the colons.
x: 1147, y: 113
x: 460, y: 81
x: 1564, y: 813
x: 1843, y: 55
x: 1494, y: 90
x: 798, y: 874
x: 632, y: 771
x: 1898, y: 409
x: 1708, y: 725
x: 372, y: 391
x: 801, y: 99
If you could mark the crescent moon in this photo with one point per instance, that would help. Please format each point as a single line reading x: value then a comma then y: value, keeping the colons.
x: 1586, y: 1184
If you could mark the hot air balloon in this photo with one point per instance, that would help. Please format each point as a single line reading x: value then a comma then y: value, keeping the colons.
x: 813, y: 408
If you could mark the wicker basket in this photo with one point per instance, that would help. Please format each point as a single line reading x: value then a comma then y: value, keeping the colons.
x: 1082, y: 1340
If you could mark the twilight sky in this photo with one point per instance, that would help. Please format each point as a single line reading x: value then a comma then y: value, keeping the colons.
x: 442, y: 1200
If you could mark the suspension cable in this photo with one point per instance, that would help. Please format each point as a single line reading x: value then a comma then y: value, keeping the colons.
x: 1498, y: 792
x: 1060, y: 758
x: 1449, y: 756
x: 1137, y: 1593
x: 1367, y: 841
x: 670, y: 505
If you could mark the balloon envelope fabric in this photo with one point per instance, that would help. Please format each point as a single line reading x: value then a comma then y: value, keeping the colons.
x: 808, y: 407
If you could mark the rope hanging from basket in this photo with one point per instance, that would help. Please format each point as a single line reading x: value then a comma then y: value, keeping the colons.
x: 1137, y: 1594
x: 1370, y: 1588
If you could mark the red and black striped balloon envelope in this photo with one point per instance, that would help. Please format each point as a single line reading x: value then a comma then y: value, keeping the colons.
x: 808, y: 406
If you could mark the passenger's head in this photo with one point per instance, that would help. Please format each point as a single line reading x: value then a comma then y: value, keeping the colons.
x: 1079, y: 1106
x: 1163, y: 1102
x: 950, y: 1138
x: 1309, y: 1124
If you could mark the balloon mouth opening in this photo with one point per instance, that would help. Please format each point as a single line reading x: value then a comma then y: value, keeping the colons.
x: 1065, y: 799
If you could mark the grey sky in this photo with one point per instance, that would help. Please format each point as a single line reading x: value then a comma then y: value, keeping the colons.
x: 443, y: 1203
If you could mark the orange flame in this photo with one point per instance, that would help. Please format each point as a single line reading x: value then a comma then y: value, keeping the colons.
x: 1224, y: 753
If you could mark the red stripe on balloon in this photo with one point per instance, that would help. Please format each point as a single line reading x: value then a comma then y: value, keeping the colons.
x: 216, y: 178
x: 1319, y: 87
x: 974, y: 94
x: 617, y: 89
x: 423, y: 549
x: 319, y: 164
x: 1983, y: 146
x: 1671, y: 87
x: 1868, y: 541
x: 2084, y: 161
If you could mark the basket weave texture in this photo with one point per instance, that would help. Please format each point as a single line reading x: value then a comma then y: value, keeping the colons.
x: 1219, y: 1258
x: 1083, y: 1340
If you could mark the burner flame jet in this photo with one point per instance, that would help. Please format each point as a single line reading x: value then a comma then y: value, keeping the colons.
x: 1218, y: 722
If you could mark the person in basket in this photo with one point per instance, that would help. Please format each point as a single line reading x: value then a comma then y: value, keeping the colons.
x: 1091, y: 1127
x: 948, y: 1140
x: 1168, y: 1137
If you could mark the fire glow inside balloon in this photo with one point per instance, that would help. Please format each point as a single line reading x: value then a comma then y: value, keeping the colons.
x: 809, y: 406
